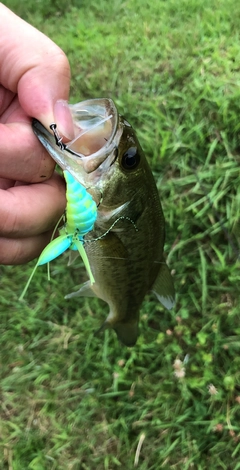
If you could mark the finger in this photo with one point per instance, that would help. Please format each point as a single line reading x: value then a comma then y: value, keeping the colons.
x: 6, y: 97
x: 22, y: 157
x: 22, y: 250
x: 6, y: 183
x: 34, y: 67
x: 18, y: 142
x: 31, y: 209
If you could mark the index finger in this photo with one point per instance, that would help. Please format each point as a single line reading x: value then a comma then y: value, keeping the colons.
x: 31, y: 209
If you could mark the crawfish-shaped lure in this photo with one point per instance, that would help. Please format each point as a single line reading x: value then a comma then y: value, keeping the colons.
x: 81, y: 214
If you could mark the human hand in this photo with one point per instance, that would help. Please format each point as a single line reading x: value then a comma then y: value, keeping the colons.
x: 34, y: 74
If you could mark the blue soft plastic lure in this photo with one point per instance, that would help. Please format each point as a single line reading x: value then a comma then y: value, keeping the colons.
x: 81, y: 214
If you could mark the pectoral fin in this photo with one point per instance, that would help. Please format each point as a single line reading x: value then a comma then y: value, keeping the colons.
x: 163, y: 287
x: 73, y: 255
x: 84, y: 291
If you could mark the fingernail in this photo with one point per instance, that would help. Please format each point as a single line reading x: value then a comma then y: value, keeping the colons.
x: 63, y: 119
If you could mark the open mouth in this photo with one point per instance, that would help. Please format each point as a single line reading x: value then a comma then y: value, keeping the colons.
x: 95, y: 124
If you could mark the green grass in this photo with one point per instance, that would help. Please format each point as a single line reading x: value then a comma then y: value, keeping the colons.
x: 76, y: 402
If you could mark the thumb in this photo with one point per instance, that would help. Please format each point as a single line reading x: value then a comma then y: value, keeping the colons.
x: 32, y: 66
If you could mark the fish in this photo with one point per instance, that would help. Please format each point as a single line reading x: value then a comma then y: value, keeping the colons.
x: 125, y: 247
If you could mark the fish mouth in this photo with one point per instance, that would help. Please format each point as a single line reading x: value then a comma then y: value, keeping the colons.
x: 96, y: 137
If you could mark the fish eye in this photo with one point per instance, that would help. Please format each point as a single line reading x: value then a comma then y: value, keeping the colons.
x: 130, y: 158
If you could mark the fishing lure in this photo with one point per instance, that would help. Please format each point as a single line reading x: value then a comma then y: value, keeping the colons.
x: 81, y: 214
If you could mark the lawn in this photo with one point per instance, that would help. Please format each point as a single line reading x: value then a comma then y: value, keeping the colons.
x: 72, y: 401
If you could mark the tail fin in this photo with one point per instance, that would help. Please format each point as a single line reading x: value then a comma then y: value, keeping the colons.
x: 127, y: 333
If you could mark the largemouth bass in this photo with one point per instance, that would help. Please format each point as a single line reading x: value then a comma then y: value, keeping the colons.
x: 125, y: 247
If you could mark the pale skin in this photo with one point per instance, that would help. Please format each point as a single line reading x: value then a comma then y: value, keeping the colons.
x: 34, y: 75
